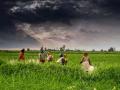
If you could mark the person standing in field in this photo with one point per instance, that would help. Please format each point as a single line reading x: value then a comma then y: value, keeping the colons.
x: 45, y: 52
x: 42, y: 55
x: 86, y: 63
x: 62, y: 51
x: 49, y: 57
x: 21, y: 55
x: 63, y: 57
x: 62, y: 60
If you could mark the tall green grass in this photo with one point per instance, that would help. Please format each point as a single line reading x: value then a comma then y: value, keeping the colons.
x: 52, y: 76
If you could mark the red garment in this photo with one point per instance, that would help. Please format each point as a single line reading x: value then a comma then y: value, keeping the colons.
x: 21, y: 56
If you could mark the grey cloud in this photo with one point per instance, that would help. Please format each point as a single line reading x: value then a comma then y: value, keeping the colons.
x: 52, y: 22
x: 93, y: 31
x: 42, y: 10
x: 59, y: 39
x: 45, y: 10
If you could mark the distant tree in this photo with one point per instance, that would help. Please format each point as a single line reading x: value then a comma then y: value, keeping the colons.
x: 67, y: 49
x: 111, y: 49
x: 93, y: 50
x: 28, y: 49
x: 102, y: 50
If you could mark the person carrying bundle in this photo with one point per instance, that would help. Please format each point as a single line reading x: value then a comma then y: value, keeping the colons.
x: 86, y: 63
x: 63, y: 60
x: 63, y: 57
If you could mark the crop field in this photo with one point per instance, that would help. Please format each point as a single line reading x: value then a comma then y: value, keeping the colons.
x: 33, y: 75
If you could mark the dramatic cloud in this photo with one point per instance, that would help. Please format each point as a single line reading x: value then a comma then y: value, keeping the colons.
x: 42, y: 10
x: 78, y: 35
x: 80, y: 24
x: 48, y: 34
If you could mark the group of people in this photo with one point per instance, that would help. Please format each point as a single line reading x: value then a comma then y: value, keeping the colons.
x: 44, y: 55
x: 47, y: 56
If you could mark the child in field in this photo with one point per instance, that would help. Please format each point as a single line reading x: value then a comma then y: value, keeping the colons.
x: 49, y: 57
x: 86, y: 64
x: 21, y: 55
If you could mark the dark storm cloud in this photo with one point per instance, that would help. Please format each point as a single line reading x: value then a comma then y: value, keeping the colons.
x: 50, y: 10
x: 36, y: 13
x: 110, y: 5
x: 42, y: 10
x: 56, y: 10
x: 83, y: 30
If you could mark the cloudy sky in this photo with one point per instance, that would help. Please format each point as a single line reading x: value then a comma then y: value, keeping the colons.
x: 80, y: 24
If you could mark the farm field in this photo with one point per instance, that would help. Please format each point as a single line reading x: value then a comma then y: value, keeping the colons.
x: 32, y: 75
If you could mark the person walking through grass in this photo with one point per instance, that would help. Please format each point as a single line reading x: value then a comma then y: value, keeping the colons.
x: 86, y: 63
x: 62, y: 51
x: 62, y: 60
x: 49, y: 57
x: 42, y: 55
x: 22, y: 55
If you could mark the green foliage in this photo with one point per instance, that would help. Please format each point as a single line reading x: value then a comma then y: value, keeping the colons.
x: 15, y: 75
x: 2, y: 62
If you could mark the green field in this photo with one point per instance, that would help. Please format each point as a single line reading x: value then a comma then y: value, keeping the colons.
x: 31, y: 75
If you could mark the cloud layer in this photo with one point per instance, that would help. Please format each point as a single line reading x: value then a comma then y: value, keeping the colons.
x: 78, y: 35
x: 44, y: 10
x: 79, y: 24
